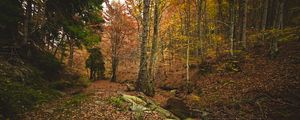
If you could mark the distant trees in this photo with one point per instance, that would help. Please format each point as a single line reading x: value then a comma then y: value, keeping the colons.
x: 119, y: 25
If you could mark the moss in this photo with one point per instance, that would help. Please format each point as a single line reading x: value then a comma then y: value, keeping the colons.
x: 76, y: 100
x: 21, y: 88
x: 117, y: 102
x: 17, y: 98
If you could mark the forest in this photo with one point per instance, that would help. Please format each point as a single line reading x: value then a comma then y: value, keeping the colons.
x: 149, y: 59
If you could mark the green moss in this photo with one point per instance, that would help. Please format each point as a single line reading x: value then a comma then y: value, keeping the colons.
x: 117, y: 101
x: 76, y: 100
x: 17, y: 98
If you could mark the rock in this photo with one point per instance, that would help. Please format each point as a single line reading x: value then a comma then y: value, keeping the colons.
x: 99, y: 102
x: 50, y: 111
x: 130, y: 87
x: 138, y: 108
x: 173, y: 92
x: 178, y: 107
x: 134, y: 99
x: 143, y: 104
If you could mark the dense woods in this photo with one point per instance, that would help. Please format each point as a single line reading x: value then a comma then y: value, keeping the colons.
x: 178, y: 59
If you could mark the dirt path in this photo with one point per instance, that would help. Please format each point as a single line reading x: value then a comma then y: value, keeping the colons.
x: 94, y: 103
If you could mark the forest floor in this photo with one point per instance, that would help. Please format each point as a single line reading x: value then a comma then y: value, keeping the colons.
x: 264, y: 89
x: 97, y: 102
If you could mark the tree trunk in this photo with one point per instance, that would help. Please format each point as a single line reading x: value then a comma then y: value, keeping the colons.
x: 232, y: 26
x: 144, y: 84
x: 153, y: 56
x: 27, y: 20
x: 199, y: 30
x: 277, y: 24
x: 244, y: 25
x: 220, y: 29
x: 115, y: 62
x: 71, y: 55
x: 265, y: 18
x: 281, y: 12
x: 63, y: 48
x: 187, y: 33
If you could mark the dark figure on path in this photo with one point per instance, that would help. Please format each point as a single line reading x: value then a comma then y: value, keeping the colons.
x: 95, y: 63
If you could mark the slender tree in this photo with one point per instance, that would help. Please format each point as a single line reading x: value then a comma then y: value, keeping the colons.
x: 264, y: 18
x: 143, y: 83
x: 244, y: 23
x: 232, y: 25
x: 153, y: 56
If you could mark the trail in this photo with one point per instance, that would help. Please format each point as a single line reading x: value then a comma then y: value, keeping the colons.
x: 93, y: 103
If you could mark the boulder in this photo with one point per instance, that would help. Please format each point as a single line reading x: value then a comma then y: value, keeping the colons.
x: 182, y: 110
x: 143, y: 104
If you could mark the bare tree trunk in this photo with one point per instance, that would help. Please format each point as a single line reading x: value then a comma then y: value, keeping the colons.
x: 144, y: 84
x: 153, y: 56
x: 71, y: 55
x: 281, y: 12
x: 27, y: 26
x: 62, y: 48
x: 244, y: 28
x: 232, y: 26
x: 115, y: 59
x: 265, y: 18
x: 277, y: 24
x: 199, y: 30
x: 220, y: 29
x: 27, y: 20
x: 187, y: 33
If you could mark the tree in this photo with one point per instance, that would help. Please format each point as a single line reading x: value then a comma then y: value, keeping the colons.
x: 277, y: 24
x: 199, y: 30
x: 232, y: 26
x: 244, y: 23
x: 265, y: 17
x: 27, y: 19
x: 118, y: 27
x: 95, y: 63
x: 153, y: 55
x: 143, y: 83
